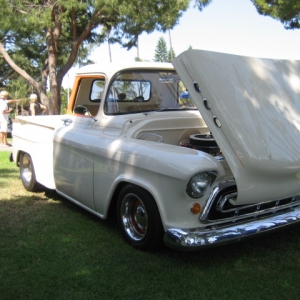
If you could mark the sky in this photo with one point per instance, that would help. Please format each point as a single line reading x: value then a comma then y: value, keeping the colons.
x: 231, y: 26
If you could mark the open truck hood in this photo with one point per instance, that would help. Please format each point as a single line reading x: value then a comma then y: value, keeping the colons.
x: 256, y: 103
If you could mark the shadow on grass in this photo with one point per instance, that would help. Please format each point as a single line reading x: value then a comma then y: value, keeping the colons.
x: 282, y: 240
x: 51, y: 248
x: 9, y: 172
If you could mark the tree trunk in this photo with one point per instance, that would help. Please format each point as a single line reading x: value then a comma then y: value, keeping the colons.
x: 109, y: 50
x: 171, y: 47
x: 52, y: 37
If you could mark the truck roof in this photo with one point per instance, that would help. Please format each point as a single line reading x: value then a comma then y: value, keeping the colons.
x: 112, y: 68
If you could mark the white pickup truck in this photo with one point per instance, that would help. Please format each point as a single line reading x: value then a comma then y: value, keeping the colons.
x: 134, y: 142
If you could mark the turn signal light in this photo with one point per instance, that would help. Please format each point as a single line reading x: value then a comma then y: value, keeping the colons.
x: 196, y: 208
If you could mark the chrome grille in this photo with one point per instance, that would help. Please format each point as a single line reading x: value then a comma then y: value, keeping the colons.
x: 220, y: 209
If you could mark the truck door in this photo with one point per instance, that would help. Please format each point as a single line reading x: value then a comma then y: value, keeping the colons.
x: 73, y: 145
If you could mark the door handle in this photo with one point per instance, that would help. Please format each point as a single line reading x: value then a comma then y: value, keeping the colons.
x: 67, y: 121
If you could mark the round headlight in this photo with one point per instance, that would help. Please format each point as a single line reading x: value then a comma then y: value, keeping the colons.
x: 200, y: 183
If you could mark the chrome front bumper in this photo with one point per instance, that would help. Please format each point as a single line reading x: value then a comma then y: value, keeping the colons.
x: 198, y: 238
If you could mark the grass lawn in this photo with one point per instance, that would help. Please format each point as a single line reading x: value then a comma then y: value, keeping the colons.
x: 52, y: 249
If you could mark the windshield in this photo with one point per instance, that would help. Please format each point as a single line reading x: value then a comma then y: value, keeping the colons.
x: 140, y: 91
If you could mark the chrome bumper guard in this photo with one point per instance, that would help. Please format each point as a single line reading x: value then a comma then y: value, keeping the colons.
x: 198, y: 238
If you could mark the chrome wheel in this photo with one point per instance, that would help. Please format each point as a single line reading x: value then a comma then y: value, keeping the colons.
x: 27, y: 173
x: 139, y: 218
x: 134, y: 217
x: 26, y: 170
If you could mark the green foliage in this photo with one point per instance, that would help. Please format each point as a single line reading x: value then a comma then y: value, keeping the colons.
x: 161, y: 51
x: 45, y: 38
x: 139, y: 16
x: 287, y: 12
x: 202, y: 3
x: 138, y: 59
x: 162, y: 54
x: 64, y: 96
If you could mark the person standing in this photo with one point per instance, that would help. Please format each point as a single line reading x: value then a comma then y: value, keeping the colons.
x: 4, y: 116
x: 35, y: 107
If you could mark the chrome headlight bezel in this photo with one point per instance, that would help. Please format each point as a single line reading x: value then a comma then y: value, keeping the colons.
x: 200, y: 183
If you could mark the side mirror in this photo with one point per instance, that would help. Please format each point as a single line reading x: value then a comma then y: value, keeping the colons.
x: 80, y: 110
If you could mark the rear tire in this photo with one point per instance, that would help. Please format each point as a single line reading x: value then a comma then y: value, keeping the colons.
x: 139, y: 218
x: 27, y: 173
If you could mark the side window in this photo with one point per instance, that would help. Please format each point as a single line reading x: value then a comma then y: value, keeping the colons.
x: 89, y: 95
x: 97, y: 90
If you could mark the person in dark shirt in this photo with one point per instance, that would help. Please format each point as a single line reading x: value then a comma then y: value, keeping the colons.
x: 35, y: 107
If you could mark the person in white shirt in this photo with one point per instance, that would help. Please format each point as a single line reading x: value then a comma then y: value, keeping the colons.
x: 4, y: 117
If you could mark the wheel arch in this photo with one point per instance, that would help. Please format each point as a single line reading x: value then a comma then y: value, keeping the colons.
x: 114, y: 198
x: 18, y: 156
x: 43, y: 166
x: 139, y: 218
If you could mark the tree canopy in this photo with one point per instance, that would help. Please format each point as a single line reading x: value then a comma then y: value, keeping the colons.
x: 202, y: 3
x: 287, y: 11
x: 41, y: 39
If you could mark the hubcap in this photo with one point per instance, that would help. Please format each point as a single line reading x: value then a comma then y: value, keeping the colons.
x: 26, y: 171
x: 134, y: 217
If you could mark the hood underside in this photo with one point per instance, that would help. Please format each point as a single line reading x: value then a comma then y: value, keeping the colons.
x: 252, y: 107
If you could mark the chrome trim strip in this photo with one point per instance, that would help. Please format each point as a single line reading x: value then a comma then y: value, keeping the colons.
x: 214, y: 193
x: 193, y: 239
x: 293, y: 202
x: 224, y: 200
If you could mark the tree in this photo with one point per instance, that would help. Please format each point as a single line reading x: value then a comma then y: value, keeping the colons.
x: 161, y: 51
x: 41, y: 39
x: 64, y: 99
x: 202, y: 3
x: 162, y: 54
x: 171, y: 55
x: 287, y: 12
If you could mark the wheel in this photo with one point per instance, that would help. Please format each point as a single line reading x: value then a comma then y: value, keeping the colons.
x: 139, y: 218
x: 27, y: 173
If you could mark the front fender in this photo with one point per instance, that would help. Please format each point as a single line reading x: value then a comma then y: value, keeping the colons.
x: 163, y: 170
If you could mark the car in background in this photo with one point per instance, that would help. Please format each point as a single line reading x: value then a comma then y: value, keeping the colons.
x: 9, y: 128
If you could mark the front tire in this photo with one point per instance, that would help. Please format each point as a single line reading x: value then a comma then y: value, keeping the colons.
x: 27, y: 173
x: 139, y: 218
